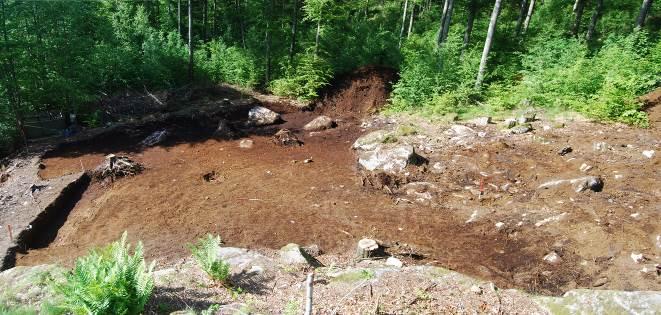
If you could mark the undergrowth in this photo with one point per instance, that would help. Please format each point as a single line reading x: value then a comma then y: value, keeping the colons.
x: 205, y: 252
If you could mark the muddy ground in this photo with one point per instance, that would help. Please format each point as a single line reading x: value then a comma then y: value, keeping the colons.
x: 486, y: 216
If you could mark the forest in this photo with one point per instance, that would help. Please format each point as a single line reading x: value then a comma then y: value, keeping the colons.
x: 594, y: 57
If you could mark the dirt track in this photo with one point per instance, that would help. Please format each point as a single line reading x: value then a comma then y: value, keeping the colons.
x: 267, y: 197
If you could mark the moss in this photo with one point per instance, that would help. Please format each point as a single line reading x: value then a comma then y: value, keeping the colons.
x: 353, y: 276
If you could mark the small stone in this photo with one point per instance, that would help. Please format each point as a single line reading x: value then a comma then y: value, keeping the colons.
x: 600, y: 146
x: 584, y: 167
x: 600, y: 282
x: 306, y: 161
x: 286, y: 137
x: 509, y: 123
x: 320, y: 123
x: 500, y: 225
x: 246, y: 144
x: 312, y: 250
x: 637, y: 258
x: 392, y: 261
x: 291, y: 254
x: 648, y: 153
x: 521, y: 129
x: 481, y: 121
x: 476, y: 289
x: 566, y: 150
x: 552, y: 258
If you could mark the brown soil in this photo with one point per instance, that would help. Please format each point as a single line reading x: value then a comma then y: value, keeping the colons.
x: 359, y: 93
x: 267, y: 197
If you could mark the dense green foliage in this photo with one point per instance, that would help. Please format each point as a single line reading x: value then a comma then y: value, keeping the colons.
x: 108, y: 281
x: 205, y: 252
x: 63, y: 55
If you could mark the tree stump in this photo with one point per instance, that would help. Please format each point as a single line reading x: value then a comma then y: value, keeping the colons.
x: 367, y: 248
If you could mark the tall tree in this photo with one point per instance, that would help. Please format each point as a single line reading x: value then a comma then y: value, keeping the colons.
x: 190, y: 40
x: 401, y: 32
x: 593, y: 21
x: 470, y: 20
x: 439, y: 36
x: 294, y: 24
x: 642, y: 15
x: 179, y: 17
x: 445, y: 21
x: 531, y: 9
x: 487, y: 44
x: 523, y: 8
x: 579, y: 6
x: 411, y: 16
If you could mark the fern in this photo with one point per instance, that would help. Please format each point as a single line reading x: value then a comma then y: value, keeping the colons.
x: 205, y: 253
x: 108, y: 281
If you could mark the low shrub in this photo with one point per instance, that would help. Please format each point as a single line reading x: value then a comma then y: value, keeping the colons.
x: 205, y: 252
x: 107, y: 281
x: 304, y: 79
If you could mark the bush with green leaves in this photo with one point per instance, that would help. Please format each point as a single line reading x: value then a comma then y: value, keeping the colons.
x: 230, y: 64
x: 107, y: 281
x: 205, y: 252
x: 303, y: 79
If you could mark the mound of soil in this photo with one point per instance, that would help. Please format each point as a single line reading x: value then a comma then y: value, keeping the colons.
x: 357, y: 94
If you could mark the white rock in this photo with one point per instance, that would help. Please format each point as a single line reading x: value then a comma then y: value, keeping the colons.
x: 637, y: 258
x: 584, y: 167
x: 500, y: 225
x: 648, y: 153
x: 389, y: 159
x: 320, y: 123
x: 600, y: 146
x: 392, y: 261
x: 291, y: 254
x: 552, y: 258
x: 371, y: 140
x: 260, y: 116
x: 476, y: 289
x: 481, y: 121
x: 246, y: 144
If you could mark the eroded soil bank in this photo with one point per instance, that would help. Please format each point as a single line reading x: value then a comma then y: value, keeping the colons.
x: 266, y: 196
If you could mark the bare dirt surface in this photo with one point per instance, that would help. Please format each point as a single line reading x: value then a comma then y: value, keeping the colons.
x: 485, y: 215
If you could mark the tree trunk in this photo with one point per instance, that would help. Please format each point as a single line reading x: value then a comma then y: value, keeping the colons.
x: 487, y: 44
x: 448, y: 19
x: 578, y: 10
x: 411, y: 15
x: 269, y: 15
x: 316, y: 37
x: 522, y: 15
x: 642, y: 15
x: 242, y: 27
x: 294, y: 24
x: 531, y: 9
x: 12, y: 83
x: 215, y: 21
x: 205, y: 14
x: 190, y: 41
x: 593, y: 21
x: 179, y: 17
x: 472, y: 11
x: 439, y: 36
x: 401, y: 31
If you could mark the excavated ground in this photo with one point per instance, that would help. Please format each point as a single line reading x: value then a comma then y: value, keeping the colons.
x: 266, y: 196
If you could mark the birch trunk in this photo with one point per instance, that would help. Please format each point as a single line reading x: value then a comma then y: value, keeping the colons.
x: 642, y: 15
x: 294, y: 24
x: 411, y: 15
x: 401, y: 31
x: 531, y: 9
x: 448, y: 19
x: 578, y: 10
x: 522, y: 15
x: 593, y: 21
x: 487, y: 44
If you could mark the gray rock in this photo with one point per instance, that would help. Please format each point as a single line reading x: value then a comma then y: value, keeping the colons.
x: 585, y: 301
x: 521, y: 129
x: 600, y: 282
x: 552, y: 258
x: 291, y: 254
x: 155, y: 138
x: 224, y: 130
x: 28, y: 286
x: 392, y: 261
x: 509, y: 123
x: 600, y: 146
x: 460, y: 131
x: 481, y: 121
x: 389, y: 159
x: 371, y: 140
x: 261, y: 116
x: 594, y: 183
x: 320, y: 123
x: 312, y: 250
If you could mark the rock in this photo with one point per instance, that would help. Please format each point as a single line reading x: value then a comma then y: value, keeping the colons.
x: 594, y: 183
x: 648, y: 154
x: 246, y: 144
x: 552, y: 258
x: 637, y: 257
x: 460, y: 131
x: 600, y: 282
x: 287, y: 138
x: 389, y: 159
x: 521, y: 129
x: 224, y: 130
x: 371, y: 140
x: 26, y: 286
x: 155, y: 138
x: 566, y: 150
x: 584, y: 301
x: 509, y: 123
x: 312, y: 250
x: 481, y: 121
x: 476, y: 289
x: 392, y: 261
x: 320, y: 123
x: 420, y: 190
x: 261, y: 116
x: 584, y: 167
x: 291, y: 254
x: 600, y: 146
x: 500, y: 225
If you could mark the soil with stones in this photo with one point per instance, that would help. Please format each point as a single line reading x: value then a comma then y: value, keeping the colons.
x: 485, y: 215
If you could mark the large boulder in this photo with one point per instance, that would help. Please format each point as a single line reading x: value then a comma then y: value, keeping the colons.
x: 292, y: 254
x: 261, y: 116
x: 389, y: 159
x: 320, y: 123
x: 371, y: 140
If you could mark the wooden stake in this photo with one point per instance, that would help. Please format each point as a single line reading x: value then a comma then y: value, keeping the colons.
x: 11, y: 236
x: 308, y: 297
